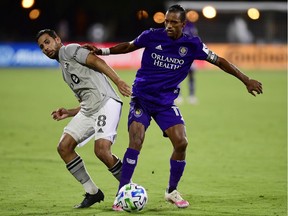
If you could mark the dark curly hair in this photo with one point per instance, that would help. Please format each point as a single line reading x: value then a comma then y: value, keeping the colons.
x: 50, y: 32
x: 178, y: 9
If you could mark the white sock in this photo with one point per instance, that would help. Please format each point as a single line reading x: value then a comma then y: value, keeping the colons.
x: 90, y: 187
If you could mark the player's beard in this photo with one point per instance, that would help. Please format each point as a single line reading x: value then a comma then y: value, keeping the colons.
x: 53, y: 55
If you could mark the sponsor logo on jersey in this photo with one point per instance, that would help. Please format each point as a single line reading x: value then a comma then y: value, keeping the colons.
x: 75, y: 79
x: 183, y: 51
x: 167, y: 61
x: 100, y: 131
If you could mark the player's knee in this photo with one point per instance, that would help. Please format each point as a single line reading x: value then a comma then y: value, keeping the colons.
x: 136, y: 144
x: 64, y: 149
x: 181, y: 145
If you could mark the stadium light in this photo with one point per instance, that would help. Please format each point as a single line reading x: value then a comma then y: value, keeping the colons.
x: 192, y: 16
x: 34, y: 14
x: 27, y: 3
x: 142, y: 14
x: 159, y: 17
x: 209, y: 12
x: 253, y: 13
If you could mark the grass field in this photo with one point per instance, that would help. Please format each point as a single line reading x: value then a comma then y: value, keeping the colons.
x: 236, y: 159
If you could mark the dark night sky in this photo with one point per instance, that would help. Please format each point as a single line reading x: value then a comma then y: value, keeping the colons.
x: 120, y: 15
x: 15, y: 23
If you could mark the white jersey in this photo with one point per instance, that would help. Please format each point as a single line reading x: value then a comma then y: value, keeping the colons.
x: 91, y: 87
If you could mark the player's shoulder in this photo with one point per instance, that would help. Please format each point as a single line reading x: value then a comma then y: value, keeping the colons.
x: 154, y: 31
x: 192, y: 39
x: 69, y: 50
x: 150, y: 34
x: 157, y: 30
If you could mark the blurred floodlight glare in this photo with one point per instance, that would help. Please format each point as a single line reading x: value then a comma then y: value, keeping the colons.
x: 159, y: 17
x: 209, y: 12
x: 253, y: 13
x: 142, y: 14
x: 192, y: 16
x: 27, y: 3
x: 34, y: 14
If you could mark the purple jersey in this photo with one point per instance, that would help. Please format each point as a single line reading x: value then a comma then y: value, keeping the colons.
x: 165, y: 64
x: 190, y: 29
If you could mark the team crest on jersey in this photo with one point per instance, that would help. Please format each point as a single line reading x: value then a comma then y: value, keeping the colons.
x: 75, y: 79
x: 183, y: 51
x: 138, y: 112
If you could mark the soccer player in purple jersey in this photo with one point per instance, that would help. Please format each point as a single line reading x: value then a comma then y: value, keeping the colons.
x: 167, y: 57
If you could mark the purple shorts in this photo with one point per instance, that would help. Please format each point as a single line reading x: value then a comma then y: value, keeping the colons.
x: 164, y: 117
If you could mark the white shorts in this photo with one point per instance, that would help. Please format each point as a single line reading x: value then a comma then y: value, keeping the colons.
x: 102, y: 124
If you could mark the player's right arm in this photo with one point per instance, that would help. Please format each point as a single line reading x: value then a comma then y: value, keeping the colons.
x: 120, y: 48
x: 63, y: 113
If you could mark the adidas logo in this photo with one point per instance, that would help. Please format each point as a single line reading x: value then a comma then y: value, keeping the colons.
x: 159, y: 47
x: 100, y: 131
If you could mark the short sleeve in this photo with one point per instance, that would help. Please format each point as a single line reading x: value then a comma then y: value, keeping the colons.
x: 76, y: 52
x: 142, y: 39
x: 201, y: 50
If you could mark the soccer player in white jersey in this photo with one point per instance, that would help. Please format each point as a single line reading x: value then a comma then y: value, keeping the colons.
x: 98, y: 114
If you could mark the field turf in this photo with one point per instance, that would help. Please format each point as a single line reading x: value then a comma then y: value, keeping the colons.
x: 236, y: 158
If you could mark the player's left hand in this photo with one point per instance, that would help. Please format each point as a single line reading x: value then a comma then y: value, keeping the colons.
x: 60, y: 114
x: 254, y: 86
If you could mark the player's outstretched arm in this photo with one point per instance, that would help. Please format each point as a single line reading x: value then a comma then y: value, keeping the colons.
x: 251, y: 85
x: 120, y: 48
x: 101, y: 66
x: 63, y: 113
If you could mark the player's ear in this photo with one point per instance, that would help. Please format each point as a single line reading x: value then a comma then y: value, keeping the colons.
x: 184, y: 23
x: 58, y: 39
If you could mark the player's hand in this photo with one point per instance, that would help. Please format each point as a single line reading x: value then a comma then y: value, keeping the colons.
x: 92, y: 49
x: 60, y: 114
x: 254, y: 86
x: 124, y: 88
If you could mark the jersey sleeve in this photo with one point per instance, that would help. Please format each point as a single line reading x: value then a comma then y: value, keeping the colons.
x: 211, y: 56
x: 204, y: 53
x: 76, y: 52
x: 142, y: 39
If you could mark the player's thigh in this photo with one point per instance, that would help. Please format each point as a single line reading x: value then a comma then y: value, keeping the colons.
x: 177, y: 135
x: 169, y: 118
x: 138, y: 113
x: 80, y: 127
